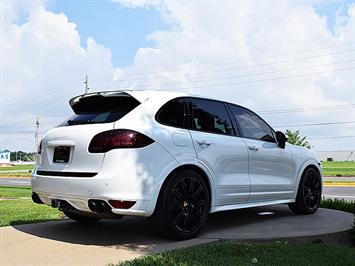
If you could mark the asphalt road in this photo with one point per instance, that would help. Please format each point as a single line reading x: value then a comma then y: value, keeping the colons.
x: 347, y: 193
x: 15, y: 182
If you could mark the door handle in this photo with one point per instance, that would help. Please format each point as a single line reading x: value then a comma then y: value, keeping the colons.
x: 203, y: 142
x: 253, y: 148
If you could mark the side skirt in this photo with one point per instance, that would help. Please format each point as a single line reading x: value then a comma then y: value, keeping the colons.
x: 249, y: 205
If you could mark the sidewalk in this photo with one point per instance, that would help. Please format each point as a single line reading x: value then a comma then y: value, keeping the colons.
x: 69, y: 243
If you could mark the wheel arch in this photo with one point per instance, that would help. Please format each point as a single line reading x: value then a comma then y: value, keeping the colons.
x: 206, y: 176
x: 308, y: 164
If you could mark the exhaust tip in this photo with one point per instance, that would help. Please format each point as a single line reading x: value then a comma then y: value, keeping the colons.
x: 99, y: 206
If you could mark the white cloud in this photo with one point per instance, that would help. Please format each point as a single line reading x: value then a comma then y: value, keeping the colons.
x: 250, y: 33
x: 43, y: 66
x: 218, y: 49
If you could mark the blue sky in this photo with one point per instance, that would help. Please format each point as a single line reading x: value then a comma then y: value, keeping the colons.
x: 329, y: 8
x: 98, y: 19
x: 122, y: 29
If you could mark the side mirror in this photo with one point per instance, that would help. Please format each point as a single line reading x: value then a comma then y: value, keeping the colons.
x: 281, y: 139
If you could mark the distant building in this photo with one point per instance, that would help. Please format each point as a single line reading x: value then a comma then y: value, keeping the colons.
x: 345, y: 155
x: 4, y: 157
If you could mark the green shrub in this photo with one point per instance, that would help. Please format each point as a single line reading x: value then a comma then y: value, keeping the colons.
x: 338, y: 204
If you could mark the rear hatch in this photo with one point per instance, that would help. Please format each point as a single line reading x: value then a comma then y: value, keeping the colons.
x: 65, y: 148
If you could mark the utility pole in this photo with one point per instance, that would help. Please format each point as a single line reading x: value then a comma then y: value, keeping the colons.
x: 37, y: 135
x: 86, y: 84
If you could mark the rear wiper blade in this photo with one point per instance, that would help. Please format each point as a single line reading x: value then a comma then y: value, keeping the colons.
x: 73, y: 122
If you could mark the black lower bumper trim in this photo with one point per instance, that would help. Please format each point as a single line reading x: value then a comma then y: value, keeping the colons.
x: 36, y: 198
x: 73, y: 174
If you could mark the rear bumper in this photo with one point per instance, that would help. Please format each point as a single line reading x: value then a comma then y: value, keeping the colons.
x: 126, y: 175
x: 81, y: 203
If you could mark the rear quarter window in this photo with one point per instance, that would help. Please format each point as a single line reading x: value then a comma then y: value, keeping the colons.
x: 173, y: 113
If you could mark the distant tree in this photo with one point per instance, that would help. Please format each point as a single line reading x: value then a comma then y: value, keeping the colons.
x: 24, y: 156
x: 295, y: 138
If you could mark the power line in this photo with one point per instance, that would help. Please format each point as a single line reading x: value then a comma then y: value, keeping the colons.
x: 31, y: 120
x: 234, y: 76
x: 35, y: 105
x: 246, y: 82
x: 54, y: 89
x: 48, y: 92
x: 348, y: 150
x: 303, y: 58
x: 317, y: 124
x: 293, y: 110
x: 332, y: 137
x: 32, y: 106
x: 238, y: 61
x: 16, y: 132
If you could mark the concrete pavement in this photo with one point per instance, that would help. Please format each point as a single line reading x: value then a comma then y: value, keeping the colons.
x: 70, y: 243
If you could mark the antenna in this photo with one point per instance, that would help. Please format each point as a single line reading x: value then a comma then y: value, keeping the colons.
x: 37, y: 135
x: 86, y: 84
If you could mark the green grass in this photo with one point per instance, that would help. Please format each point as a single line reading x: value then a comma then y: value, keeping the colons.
x: 25, y: 211
x: 338, y: 168
x: 28, y: 167
x: 16, y: 174
x: 232, y: 253
x: 15, y: 192
x: 22, y: 211
x: 18, y: 167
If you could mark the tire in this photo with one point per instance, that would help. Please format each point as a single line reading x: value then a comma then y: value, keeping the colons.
x: 309, y: 193
x: 183, y: 206
x: 81, y: 218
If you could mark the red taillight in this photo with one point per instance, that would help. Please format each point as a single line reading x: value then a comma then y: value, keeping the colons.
x: 121, y: 204
x: 118, y: 139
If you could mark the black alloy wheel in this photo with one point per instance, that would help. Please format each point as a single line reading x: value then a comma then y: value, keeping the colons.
x: 309, y: 193
x: 183, y: 206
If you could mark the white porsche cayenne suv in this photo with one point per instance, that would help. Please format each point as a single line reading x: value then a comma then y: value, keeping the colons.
x: 170, y: 156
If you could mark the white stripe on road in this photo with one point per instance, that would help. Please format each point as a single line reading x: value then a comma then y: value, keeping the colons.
x: 19, y: 182
x: 339, y: 196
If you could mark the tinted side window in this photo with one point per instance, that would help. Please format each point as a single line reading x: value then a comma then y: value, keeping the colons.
x: 172, y: 113
x: 252, y: 126
x: 210, y: 116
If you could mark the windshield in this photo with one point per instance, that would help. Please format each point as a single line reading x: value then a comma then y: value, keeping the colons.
x: 100, y: 108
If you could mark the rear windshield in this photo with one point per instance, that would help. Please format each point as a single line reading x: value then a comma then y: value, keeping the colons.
x: 100, y: 108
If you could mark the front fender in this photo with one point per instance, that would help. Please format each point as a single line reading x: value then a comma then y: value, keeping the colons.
x: 310, y: 162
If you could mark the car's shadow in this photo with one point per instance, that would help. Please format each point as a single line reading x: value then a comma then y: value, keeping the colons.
x: 140, y: 234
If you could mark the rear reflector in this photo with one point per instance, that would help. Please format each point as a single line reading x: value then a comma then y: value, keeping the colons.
x: 121, y: 204
x: 118, y: 139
